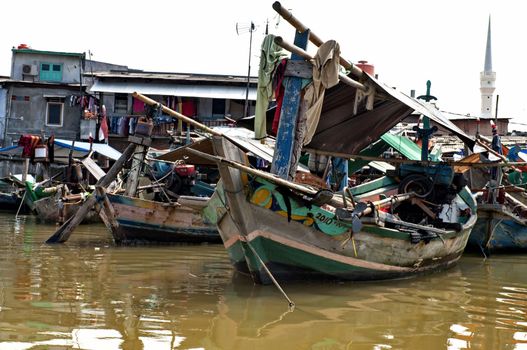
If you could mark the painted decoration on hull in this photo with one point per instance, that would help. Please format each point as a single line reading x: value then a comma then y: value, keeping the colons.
x: 283, y: 202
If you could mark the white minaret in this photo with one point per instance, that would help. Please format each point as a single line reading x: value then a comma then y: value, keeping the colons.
x: 487, y: 81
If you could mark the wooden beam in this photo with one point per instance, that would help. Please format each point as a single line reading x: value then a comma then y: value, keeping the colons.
x: 303, y: 53
x: 65, y: 231
x: 107, y: 213
x: 135, y: 172
x: 406, y: 161
x: 285, y: 137
x: 173, y: 113
x: 315, y: 39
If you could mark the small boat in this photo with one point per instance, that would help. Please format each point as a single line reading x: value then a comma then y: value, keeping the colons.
x: 10, y: 201
x: 55, y: 204
x: 502, y: 205
x: 498, y: 230
x: 502, y: 222
x: 152, y: 221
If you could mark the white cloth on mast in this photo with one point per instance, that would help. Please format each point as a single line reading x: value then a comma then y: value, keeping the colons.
x: 326, y: 68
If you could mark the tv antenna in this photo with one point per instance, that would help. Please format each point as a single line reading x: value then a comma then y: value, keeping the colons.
x: 242, y: 28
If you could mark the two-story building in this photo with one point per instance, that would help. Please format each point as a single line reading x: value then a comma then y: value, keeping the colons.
x: 39, y: 94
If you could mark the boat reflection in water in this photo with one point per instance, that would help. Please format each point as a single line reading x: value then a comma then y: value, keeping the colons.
x: 90, y: 294
x: 461, y: 309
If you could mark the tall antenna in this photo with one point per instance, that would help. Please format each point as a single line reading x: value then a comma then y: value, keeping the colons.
x: 91, y: 67
x: 241, y: 29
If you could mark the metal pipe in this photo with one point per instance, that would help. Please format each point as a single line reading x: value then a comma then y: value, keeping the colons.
x: 315, y: 39
x: 304, y: 54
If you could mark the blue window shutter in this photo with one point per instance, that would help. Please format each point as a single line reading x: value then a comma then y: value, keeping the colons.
x: 50, y: 72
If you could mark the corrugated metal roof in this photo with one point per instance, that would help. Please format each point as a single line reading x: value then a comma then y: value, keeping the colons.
x: 101, y: 148
x: 190, y: 77
x: 167, y: 89
x: 458, y: 116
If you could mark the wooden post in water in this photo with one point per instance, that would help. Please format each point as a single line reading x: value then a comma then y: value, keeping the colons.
x: 141, y: 148
x: 285, y: 139
x: 65, y: 231
x: 26, y: 170
x: 107, y: 213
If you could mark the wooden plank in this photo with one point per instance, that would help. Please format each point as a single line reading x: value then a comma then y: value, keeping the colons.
x: 299, y: 69
x: 233, y: 184
x: 138, y: 140
x: 26, y: 170
x: 93, y: 168
x: 288, y: 117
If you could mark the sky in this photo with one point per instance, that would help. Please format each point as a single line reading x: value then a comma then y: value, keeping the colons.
x: 408, y: 41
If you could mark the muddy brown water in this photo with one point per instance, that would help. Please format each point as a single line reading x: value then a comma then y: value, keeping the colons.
x: 91, y: 294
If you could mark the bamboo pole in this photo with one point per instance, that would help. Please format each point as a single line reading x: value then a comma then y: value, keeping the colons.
x: 306, y: 190
x: 501, y: 156
x: 304, y: 54
x: 178, y: 115
x: 184, y: 118
x: 263, y: 174
x: 407, y: 161
x: 315, y: 39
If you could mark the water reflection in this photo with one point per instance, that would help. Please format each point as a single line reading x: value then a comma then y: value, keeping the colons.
x: 89, y: 294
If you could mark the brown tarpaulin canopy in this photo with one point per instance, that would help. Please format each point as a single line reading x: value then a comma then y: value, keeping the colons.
x: 340, y: 131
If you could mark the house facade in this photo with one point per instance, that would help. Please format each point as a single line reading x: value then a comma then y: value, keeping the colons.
x: 209, y: 99
x: 40, y: 95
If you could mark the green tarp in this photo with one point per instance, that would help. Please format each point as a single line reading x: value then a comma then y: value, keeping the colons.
x: 403, y: 145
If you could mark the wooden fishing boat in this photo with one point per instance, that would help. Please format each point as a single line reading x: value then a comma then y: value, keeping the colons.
x: 502, y: 221
x: 416, y: 219
x: 275, y: 229
x: 151, y: 221
x: 502, y: 205
x: 498, y: 229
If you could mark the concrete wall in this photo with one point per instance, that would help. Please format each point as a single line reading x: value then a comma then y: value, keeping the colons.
x: 29, y: 117
x: 205, y: 108
x: 70, y: 66
x: 108, y: 101
x: 470, y: 126
x: 3, y: 111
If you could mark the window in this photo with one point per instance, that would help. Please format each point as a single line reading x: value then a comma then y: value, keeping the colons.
x: 50, y: 72
x: 121, y: 104
x: 54, y: 112
x: 218, y: 107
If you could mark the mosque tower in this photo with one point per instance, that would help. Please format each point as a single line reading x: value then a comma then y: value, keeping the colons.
x: 487, y: 81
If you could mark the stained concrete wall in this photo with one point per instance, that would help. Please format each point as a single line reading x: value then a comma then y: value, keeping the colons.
x: 71, y: 67
x: 29, y: 117
x: 3, y: 111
